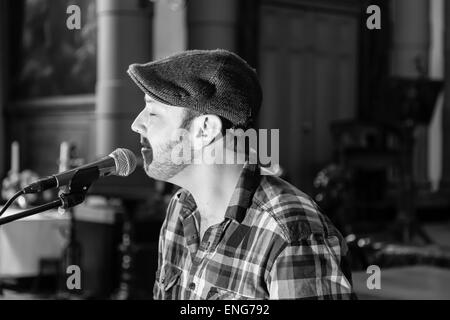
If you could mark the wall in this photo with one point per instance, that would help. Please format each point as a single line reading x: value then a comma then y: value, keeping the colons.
x: 42, y: 124
x: 308, y: 65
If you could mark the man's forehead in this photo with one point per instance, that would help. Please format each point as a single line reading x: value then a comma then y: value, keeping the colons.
x: 155, y: 103
x: 161, y: 106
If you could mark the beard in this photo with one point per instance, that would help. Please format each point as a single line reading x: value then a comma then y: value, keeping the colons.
x: 158, y: 162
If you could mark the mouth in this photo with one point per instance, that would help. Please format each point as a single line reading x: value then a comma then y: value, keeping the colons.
x: 146, y: 151
x: 145, y: 145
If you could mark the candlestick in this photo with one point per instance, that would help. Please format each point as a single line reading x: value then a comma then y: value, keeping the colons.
x: 15, y: 157
x: 64, y: 156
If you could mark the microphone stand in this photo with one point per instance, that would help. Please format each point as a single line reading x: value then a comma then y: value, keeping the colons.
x: 32, y: 211
x: 78, y: 187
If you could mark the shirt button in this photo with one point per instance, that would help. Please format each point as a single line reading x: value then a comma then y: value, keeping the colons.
x: 192, y: 286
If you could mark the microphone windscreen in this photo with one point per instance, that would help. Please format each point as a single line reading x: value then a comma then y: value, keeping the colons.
x: 125, y: 161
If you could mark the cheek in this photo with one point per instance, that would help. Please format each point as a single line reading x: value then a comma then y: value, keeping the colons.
x: 161, y: 129
x: 154, y: 127
x: 158, y: 134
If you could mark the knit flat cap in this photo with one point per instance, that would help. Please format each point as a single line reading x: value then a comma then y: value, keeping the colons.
x: 209, y: 81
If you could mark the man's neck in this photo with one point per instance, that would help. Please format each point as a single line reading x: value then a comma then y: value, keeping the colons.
x: 212, y: 187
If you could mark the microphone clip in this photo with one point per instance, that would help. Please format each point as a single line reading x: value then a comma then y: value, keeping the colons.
x: 78, y: 187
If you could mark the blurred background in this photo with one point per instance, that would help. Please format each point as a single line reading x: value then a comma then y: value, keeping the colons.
x: 363, y: 116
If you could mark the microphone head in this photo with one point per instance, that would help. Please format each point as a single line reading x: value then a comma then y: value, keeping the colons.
x: 125, y: 161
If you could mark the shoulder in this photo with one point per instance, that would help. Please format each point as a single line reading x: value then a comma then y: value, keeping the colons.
x: 180, y: 201
x: 181, y: 197
x: 296, y: 215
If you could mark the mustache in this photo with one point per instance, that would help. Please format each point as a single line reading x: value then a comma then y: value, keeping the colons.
x: 145, y: 143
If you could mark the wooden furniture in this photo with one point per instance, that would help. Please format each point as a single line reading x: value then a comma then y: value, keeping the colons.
x: 370, y: 154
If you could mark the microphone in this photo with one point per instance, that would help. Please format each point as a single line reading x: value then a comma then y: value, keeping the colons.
x: 121, y: 162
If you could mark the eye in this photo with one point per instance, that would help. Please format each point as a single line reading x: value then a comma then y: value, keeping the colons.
x: 150, y: 112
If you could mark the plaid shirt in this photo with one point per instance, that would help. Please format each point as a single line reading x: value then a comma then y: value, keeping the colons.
x: 273, y: 244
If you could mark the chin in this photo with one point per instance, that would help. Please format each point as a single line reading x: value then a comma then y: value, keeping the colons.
x: 155, y: 175
x: 163, y: 172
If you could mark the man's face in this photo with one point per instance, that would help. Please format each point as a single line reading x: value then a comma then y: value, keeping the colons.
x: 156, y: 125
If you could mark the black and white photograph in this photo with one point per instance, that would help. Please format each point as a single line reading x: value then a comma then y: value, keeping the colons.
x: 192, y: 150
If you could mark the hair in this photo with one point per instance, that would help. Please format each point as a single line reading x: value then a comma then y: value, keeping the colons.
x: 189, y: 115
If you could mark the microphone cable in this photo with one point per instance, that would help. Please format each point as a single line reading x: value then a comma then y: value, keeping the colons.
x: 10, y: 201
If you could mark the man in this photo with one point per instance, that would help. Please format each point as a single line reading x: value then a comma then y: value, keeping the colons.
x: 230, y: 232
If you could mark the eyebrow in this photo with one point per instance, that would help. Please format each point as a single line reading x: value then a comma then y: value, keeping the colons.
x: 149, y: 100
x: 154, y: 106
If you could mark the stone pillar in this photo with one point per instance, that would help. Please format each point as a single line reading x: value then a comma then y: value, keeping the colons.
x: 169, y: 29
x: 436, y: 72
x: 445, y: 181
x: 3, y: 72
x: 212, y: 24
x: 410, y: 47
x: 124, y: 37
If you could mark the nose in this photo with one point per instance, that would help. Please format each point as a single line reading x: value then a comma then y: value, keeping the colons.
x: 138, y: 124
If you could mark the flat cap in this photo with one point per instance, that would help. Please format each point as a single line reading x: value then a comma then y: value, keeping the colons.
x: 209, y: 81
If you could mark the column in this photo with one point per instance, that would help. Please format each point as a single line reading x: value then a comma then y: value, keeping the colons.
x: 124, y: 37
x: 436, y: 72
x: 169, y: 29
x: 411, y: 44
x: 3, y: 72
x: 212, y: 24
x: 445, y: 181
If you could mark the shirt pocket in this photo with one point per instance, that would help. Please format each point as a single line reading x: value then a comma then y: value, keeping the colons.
x: 216, y: 293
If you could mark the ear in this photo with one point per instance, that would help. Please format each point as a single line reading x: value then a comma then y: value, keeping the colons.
x: 205, y: 129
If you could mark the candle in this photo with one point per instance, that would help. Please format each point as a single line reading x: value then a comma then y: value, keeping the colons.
x: 64, y: 156
x: 15, y: 157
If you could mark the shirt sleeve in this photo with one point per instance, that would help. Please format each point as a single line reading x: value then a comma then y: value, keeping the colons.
x: 157, y: 294
x: 311, y: 268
